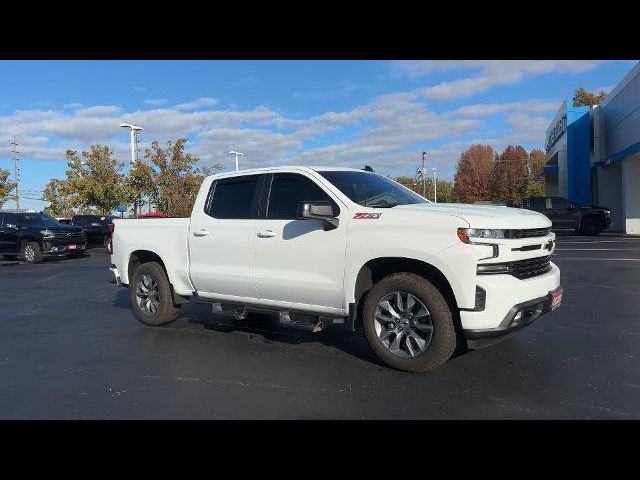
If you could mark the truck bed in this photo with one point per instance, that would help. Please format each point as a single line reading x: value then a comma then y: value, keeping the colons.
x: 166, y: 237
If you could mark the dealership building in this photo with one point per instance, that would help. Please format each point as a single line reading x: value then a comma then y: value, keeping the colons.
x: 593, y: 154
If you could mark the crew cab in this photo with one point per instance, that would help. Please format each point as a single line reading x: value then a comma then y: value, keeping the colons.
x: 97, y: 227
x: 34, y: 235
x: 564, y: 215
x: 325, y: 244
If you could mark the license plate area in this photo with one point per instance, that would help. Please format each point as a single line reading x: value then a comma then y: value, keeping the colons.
x: 72, y: 247
x: 555, y: 299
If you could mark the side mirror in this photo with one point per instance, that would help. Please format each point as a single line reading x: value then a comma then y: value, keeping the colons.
x: 322, y: 211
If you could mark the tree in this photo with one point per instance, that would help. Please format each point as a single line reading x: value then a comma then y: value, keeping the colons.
x: 6, y: 187
x: 509, y: 177
x: 61, y: 202
x: 175, y: 177
x: 535, y: 166
x: 446, y: 192
x: 473, y: 173
x: 585, y: 98
x: 95, y: 180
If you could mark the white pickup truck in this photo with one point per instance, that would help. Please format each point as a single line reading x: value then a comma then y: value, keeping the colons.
x: 325, y: 244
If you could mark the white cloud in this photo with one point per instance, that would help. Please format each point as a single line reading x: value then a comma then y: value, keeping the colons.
x: 156, y: 102
x: 200, y: 102
x: 485, y: 74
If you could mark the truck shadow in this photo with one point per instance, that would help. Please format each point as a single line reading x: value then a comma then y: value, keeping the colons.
x: 265, y: 327
x: 268, y: 328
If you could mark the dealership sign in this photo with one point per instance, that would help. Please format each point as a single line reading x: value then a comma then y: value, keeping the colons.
x: 555, y: 132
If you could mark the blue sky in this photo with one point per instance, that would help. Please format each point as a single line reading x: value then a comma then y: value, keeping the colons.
x: 346, y: 113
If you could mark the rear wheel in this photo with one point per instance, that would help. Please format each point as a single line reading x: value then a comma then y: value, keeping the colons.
x: 32, y: 252
x: 590, y: 226
x: 408, y: 323
x: 151, y: 297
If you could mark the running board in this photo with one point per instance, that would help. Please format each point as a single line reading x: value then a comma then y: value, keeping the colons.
x: 299, y: 320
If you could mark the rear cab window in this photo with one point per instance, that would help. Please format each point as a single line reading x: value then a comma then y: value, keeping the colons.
x: 234, y: 198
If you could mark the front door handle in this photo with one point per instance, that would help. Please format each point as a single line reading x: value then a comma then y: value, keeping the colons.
x: 201, y: 233
x: 267, y: 234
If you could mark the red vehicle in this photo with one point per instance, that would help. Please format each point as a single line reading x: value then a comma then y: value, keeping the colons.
x: 154, y: 215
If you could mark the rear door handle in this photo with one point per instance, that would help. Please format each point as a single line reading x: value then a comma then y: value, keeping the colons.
x: 201, y: 233
x: 267, y: 234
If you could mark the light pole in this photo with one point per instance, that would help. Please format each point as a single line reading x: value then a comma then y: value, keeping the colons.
x: 236, y: 154
x: 134, y: 140
x: 134, y: 155
x: 435, y: 186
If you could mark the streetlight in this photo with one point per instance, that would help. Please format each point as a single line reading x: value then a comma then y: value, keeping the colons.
x: 435, y: 186
x: 134, y: 140
x: 134, y: 156
x: 236, y: 154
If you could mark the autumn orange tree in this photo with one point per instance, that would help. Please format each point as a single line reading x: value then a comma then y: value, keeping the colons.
x: 509, y: 177
x: 473, y: 173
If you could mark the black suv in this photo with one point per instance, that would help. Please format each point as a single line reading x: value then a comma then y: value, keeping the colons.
x: 564, y: 215
x: 97, y: 227
x: 34, y: 235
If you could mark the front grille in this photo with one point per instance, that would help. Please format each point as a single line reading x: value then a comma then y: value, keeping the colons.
x: 529, y: 232
x: 74, y: 237
x: 531, y: 267
x: 522, y: 269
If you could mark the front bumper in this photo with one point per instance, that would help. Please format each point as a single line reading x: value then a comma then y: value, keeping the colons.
x: 519, y: 316
x: 116, y: 275
x: 57, y: 248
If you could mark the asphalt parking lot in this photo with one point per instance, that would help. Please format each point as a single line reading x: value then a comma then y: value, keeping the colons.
x: 71, y: 349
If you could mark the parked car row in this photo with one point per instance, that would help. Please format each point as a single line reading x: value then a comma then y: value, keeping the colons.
x: 36, y: 235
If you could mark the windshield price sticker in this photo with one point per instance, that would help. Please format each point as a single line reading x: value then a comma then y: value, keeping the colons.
x: 367, y: 216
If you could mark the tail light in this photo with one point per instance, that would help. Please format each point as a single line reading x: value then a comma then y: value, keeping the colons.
x: 111, y: 228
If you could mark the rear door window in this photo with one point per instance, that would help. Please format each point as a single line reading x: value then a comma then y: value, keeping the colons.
x: 233, y: 198
x: 560, y: 203
x: 537, y: 203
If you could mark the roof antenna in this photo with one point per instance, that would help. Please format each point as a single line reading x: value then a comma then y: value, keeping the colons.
x: 367, y: 168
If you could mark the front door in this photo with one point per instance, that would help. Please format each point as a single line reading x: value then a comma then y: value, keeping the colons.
x: 221, y: 239
x: 298, y: 261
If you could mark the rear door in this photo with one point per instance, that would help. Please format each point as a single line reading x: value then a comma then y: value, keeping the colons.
x: 221, y: 238
x: 8, y: 235
x: 298, y: 261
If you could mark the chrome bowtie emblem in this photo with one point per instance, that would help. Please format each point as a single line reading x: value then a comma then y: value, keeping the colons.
x: 549, y: 245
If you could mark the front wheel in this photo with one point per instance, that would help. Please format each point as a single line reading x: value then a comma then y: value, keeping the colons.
x: 408, y: 323
x: 151, y: 297
x: 590, y: 226
x: 32, y: 252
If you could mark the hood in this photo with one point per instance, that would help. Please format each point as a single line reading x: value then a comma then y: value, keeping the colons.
x: 485, y: 216
x: 64, y: 229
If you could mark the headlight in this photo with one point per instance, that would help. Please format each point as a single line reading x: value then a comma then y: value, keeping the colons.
x: 468, y: 234
x: 47, y: 233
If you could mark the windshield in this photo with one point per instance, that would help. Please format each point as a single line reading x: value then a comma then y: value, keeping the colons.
x: 39, y: 219
x: 371, y: 190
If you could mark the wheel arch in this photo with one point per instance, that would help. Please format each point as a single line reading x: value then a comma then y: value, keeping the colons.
x: 140, y: 257
x: 377, y: 268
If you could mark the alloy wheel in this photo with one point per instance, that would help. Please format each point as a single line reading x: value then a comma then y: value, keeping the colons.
x: 403, y: 324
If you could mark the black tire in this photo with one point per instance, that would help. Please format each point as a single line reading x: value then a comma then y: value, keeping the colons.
x: 166, y: 312
x: 32, y: 252
x: 590, y: 226
x: 443, y: 341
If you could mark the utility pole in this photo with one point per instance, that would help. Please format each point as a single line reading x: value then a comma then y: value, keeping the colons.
x: 422, y: 171
x: 16, y: 170
x: 435, y: 187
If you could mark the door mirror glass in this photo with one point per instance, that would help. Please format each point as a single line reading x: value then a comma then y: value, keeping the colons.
x: 322, y: 211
